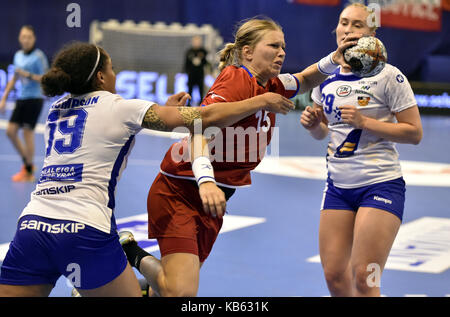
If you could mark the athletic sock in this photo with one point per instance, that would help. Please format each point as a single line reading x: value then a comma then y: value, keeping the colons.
x: 29, y: 168
x: 145, y: 287
x: 134, y: 253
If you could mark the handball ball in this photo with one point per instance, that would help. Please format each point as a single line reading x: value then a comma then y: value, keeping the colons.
x: 367, y: 58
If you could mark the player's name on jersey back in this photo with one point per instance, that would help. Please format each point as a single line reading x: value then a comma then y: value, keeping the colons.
x: 74, y: 102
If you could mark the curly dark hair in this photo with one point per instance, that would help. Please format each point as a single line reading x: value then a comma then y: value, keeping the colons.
x: 71, y: 68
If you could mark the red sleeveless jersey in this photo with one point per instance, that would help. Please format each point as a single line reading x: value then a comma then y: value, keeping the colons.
x: 238, y: 149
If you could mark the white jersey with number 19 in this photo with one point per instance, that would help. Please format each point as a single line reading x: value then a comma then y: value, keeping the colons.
x: 357, y: 157
x: 88, y: 139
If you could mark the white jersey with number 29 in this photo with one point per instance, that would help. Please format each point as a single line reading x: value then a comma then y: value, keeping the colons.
x: 357, y: 157
x: 88, y: 139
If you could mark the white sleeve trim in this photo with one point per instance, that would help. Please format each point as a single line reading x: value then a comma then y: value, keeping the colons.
x: 314, y: 97
x: 410, y: 105
x: 289, y: 81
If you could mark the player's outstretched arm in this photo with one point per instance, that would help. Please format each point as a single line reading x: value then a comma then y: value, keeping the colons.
x: 315, y: 74
x: 223, y: 115
x: 220, y: 115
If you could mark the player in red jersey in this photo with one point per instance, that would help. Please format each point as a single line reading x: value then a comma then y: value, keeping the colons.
x: 183, y: 214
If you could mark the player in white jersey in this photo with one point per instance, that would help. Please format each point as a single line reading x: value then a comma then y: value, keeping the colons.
x: 364, y: 195
x: 68, y: 227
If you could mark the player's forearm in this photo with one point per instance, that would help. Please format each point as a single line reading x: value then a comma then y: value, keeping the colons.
x: 396, y: 132
x: 315, y: 74
x: 200, y: 162
x: 309, y: 78
x: 162, y: 118
x: 220, y: 115
x: 319, y: 132
x: 8, y: 88
x: 36, y: 77
x: 199, y: 146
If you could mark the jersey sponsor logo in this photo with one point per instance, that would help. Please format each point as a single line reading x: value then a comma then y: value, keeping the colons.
x: 138, y: 224
x: 54, y: 190
x: 69, y: 172
x: 400, y: 78
x: 363, y: 101
x: 73, y: 103
x: 340, y: 123
x: 343, y: 91
x: 71, y: 227
x: 364, y: 92
x: 368, y: 82
x: 385, y: 200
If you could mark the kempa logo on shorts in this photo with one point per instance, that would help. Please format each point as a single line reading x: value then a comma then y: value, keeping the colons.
x: 55, y: 228
x: 386, y: 201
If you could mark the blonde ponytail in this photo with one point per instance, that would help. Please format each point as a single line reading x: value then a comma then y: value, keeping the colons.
x: 227, y: 56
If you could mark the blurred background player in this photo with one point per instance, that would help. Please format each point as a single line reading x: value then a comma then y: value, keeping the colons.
x: 184, y: 225
x: 194, y: 66
x: 364, y: 196
x: 30, y: 64
x: 69, y: 219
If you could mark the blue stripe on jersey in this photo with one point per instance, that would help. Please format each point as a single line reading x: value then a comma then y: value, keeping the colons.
x: 246, y: 69
x: 113, y: 224
x: 298, y: 87
x: 115, y: 172
x: 336, y: 76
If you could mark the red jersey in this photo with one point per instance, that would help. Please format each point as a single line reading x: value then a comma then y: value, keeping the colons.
x: 238, y: 149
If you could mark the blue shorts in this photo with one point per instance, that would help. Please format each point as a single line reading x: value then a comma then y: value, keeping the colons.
x: 388, y: 196
x: 43, y: 249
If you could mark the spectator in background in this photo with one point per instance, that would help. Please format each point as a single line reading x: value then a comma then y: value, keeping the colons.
x: 194, y: 65
x: 30, y: 64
